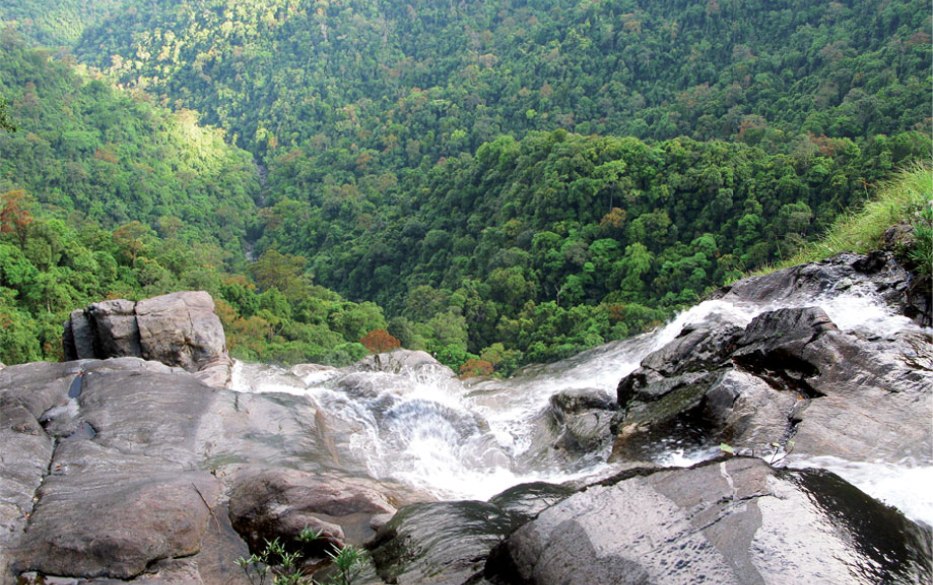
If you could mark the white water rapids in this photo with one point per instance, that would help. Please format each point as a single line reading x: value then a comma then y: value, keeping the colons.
x: 427, y: 429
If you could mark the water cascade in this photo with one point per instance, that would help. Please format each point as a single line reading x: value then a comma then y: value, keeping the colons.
x: 472, y: 439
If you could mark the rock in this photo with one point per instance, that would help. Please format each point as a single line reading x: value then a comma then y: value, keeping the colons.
x: 698, y: 349
x: 791, y: 380
x: 119, y: 525
x: 178, y: 329
x: 281, y: 502
x: 116, y: 329
x: 443, y: 543
x: 117, y: 470
x: 877, y: 273
x: 580, y: 400
x: 181, y: 329
x: 580, y: 419
x: 317, y: 371
x: 399, y: 360
x: 81, y: 335
x: 774, y: 346
x: 525, y: 501
x: 898, y: 237
x: 736, y: 521
x: 99, y: 474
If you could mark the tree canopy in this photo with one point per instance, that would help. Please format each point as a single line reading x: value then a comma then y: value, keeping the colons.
x: 496, y: 182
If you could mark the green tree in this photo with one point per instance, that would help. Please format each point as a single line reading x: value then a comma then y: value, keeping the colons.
x: 6, y: 123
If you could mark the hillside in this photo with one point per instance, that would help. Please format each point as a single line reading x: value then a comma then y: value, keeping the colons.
x: 428, y: 79
x: 105, y: 195
x: 512, y: 181
x: 84, y: 147
x: 55, y: 24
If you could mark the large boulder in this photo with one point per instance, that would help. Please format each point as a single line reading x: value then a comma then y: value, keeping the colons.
x: 266, y: 503
x: 728, y: 522
x: 178, y: 329
x: 790, y: 381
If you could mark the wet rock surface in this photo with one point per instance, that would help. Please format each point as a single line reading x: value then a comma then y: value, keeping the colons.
x: 178, y: 329
x: 126, y: 470
x: 735, y: 521
x: 442, y: 543
x: 791, y: 381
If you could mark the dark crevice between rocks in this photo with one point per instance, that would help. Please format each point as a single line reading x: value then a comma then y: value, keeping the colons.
x: 781, y: 370
x: 500, y: 568
x: 37, y: 494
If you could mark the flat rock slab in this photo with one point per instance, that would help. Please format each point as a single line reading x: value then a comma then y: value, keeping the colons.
x: 727, y: 522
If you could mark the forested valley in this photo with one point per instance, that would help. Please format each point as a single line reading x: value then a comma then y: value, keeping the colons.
x: 498, y: 183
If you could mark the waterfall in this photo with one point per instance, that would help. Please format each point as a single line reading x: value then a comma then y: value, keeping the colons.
x: 471, y: 440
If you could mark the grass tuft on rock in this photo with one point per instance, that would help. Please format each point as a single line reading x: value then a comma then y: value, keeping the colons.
x: 906, y: 199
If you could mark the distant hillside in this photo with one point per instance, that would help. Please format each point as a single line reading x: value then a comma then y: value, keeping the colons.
x: 105, y: 195
x: 512, y: 180
x: 401, y: 81
x: 84, y: 147
x: 55, y: 24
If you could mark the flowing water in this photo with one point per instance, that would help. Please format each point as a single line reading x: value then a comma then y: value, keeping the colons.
x: 428, y: 429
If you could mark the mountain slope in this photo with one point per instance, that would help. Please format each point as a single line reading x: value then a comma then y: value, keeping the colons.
x: 438, y: 78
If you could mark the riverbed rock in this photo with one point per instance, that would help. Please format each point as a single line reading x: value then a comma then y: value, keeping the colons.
x: 265, y: 503
x: 178, y: 329
x: 878, y: 273
x: 401, y: 360
x: 726, y: 522
x: 791, y: 381
x: 442, y: 543
x: 580, y: 420
x: 132, y: 470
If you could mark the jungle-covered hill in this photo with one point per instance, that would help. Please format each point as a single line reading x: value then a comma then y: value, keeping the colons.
x: 512, y: 181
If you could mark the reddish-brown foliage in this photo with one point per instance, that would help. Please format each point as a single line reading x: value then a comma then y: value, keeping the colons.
x: 474, y: 367
x: 380, y: 341
x: 14, y: 217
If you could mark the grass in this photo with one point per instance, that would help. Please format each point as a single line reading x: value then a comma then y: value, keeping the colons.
x: 903, y: 199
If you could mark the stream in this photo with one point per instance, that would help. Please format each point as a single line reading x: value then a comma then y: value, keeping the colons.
x: 473, y: 439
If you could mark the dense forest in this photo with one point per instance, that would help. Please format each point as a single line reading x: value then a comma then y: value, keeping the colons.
x: 103, y: 195
x: 495, y: 182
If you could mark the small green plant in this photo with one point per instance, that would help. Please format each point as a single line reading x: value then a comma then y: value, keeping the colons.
x: 283, y: 566
x: 309, y: 534
x: 274, y: 560
x: 921, y: 253
x: 349, y: 561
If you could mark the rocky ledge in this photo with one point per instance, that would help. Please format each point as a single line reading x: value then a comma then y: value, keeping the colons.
x: 786, y: 390
x: 131, y: 471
